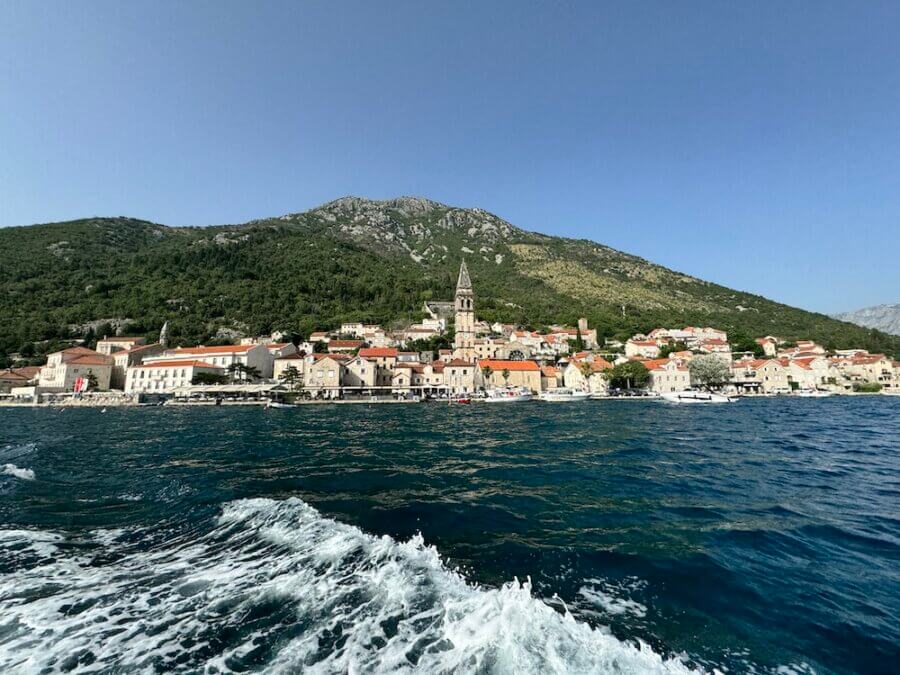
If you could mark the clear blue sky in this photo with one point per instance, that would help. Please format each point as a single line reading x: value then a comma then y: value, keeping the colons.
x: 752, y: 144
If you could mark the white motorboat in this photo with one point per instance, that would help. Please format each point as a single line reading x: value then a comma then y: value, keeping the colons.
x: 813, y: 393
x: 279, y: 404
x: 563, y: 395
x: 691, y: 396
x: 507, y: 395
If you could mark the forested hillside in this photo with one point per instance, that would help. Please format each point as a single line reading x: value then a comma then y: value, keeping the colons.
x: 355, y: 259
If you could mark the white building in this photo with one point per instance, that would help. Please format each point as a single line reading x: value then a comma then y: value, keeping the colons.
x: 64, y: 368
x: 668, y: 375
x: 163, y: 377
x: 223, y: 356
x: 645, y: 349
x: 111, y: 345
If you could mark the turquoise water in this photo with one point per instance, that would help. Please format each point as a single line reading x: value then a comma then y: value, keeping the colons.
x: 588, y: 537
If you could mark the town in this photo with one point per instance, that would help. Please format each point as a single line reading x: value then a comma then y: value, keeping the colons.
x: 497, y: 362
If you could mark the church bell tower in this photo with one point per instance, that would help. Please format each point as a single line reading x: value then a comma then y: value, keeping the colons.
x: 464, y: 341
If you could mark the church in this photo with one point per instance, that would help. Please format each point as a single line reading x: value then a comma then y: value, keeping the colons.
x: 464, y: 306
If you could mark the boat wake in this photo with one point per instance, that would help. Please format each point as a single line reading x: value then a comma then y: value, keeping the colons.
x: 276, y: 586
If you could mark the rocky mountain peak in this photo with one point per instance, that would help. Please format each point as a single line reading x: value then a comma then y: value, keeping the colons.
x: 425, y: 230
x: 881, y: 317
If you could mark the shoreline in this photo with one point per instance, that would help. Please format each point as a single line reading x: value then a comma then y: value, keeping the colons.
x: 121, y: 402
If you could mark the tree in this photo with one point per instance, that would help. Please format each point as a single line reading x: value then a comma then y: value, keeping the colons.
x: 208, y: 378
x: 586, y: 370
x: 291, y: 376
x: 91, y: 380
x: 486, y: 372
x: 708, y: 370
x: 505, y: 374
x: 628, y: 375
x: 579, y: 341
x: 743, y: 344
x: 671, y: 348
x: 319, y: 347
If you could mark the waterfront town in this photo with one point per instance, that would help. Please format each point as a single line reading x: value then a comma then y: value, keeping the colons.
x: 365, y: 362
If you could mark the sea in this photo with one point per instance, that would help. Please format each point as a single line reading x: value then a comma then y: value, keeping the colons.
x: 588, y: 537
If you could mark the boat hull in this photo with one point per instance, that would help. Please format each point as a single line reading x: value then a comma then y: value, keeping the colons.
x: 569, y: 397
x: 696, y: 397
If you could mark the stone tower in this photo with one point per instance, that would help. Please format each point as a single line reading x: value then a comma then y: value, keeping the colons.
x: 464, y: 342
x: 164, y: 335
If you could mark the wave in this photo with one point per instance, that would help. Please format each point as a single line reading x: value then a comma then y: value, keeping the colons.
x: 16, y: 472
x: 275, y: 586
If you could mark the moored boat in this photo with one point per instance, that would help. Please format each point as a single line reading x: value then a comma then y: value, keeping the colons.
x: 691, y: 396
x: 813, y: 393
x: 507, y: 395
x: 564, y: 395
x: 279, y: 404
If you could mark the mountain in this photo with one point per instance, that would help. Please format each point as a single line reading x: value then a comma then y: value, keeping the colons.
x: 355, y: 259
x: 885, y: 318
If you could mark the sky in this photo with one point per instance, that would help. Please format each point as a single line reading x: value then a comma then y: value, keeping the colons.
x: 756, y: 145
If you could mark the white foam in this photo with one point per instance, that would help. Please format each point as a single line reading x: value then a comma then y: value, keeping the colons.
x: 318, y: 595
x: 611, y: 598
x: 16, y: 543
x: 13, y: 470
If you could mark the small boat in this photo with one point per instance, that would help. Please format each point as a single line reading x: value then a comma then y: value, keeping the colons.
x: 462, y: 400
x: 279, y: 404
x: 564, y: 395
x: 507, y: 395
x: 813, y: 393
x: 690, y: 396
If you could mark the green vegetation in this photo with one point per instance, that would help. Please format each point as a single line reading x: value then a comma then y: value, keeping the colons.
x: 209, y: 378
x: 666, y: 350
x: 628, y: 375
x: 708, y: 370
x: 867, y: 387
x: 347, y: 261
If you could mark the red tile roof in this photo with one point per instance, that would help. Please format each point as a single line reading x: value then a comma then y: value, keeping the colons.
x: 375, y: 352
x: 659, y: 364
x: 345, y: 344
x: 78, y: 350
x: 88, y: 360
x: 335, y: 357
x: 513, y: 366
x: 460, y: 362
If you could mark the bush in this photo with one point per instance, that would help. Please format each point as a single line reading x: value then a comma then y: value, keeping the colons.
x: 866, y: 387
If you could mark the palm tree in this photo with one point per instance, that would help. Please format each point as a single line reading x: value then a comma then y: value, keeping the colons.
x: 505, y: 375
x: 486, y: 372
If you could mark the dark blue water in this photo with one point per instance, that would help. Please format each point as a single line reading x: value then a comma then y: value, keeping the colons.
x: 759, y: 536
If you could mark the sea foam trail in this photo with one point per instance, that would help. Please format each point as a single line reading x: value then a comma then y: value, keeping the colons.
x: 277, y: 587
x: 16, y: 472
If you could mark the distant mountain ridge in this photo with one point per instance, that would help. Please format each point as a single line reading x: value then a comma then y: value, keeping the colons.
x: 358, y: 259
x: 885, y: 318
